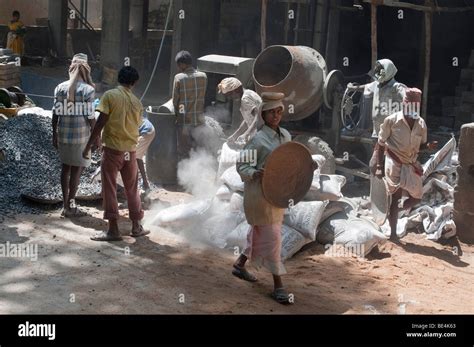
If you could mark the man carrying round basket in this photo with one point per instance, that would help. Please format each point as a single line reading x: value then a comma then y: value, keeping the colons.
x: 264, y: 239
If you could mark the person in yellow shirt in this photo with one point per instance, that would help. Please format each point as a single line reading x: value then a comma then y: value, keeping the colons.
x: 119, y: 119
x: 16, y: 34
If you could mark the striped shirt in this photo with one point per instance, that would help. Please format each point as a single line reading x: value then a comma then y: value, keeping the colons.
x: 73, y: 124
x: 189, y: 92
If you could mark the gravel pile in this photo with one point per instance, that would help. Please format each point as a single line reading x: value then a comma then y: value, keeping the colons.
x: 31, y: 166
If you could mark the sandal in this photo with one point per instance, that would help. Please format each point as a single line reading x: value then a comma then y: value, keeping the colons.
x: 141, y: 232
x: 105, y: 236
x: 243, y: 274
x: 281, y: 296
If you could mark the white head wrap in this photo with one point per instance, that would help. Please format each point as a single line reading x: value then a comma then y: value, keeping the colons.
x: 229, y: 84
x: 79, y: 70
x: 388, y: 71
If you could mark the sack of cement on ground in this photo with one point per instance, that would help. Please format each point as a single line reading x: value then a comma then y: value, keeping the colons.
x: 440, y: 159
x: 223, y: 193
x: 236, y: 202
x: 359, y: 235
x: 216, y: 228
x: 232, y: 179
x: 181, y: 215
x: 442, y: 224
x: 305, y: 216
x: 227, y: 158
x: 291, y: 241
x: 433, y: 184
x: 318, y: 146
x: 329, y: 188
x: 435, y: 221
x: 333, y: 207
x: 238, y: 237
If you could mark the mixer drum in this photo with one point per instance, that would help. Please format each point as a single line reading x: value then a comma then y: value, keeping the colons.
x: 298, y: 72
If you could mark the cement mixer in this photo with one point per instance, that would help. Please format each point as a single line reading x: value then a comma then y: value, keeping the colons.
x: 301, y: 74
x: 298, y: 72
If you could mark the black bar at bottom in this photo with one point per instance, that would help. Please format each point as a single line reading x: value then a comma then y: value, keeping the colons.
x: 453, y: 330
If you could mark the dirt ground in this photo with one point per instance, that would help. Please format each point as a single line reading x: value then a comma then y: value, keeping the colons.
x: 163, y: 273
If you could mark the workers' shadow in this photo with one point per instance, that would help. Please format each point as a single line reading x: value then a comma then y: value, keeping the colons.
x: 90, y: 222
x: 144, y: 243
x: 10, y: 234
x: 448, y: 256
x: 377, y: 254
x: 454, y: 243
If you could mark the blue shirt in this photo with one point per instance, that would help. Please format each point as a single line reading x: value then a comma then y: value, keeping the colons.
x: 146, y: 127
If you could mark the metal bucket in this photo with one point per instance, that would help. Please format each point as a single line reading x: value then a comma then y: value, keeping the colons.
x: 162, y: 157
x: 298, y: 72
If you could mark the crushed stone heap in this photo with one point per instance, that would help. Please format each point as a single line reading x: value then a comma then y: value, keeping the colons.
x: 30, y: 166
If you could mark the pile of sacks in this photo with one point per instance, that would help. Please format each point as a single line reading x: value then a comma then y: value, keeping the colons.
x: 323, y: 216
x: 433, y: 215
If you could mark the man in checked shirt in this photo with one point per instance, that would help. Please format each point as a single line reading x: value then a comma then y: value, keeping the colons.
x: 189, y: 92
x: 73, y: 119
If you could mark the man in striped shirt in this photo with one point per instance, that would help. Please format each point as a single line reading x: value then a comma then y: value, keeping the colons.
x: 189, y: 92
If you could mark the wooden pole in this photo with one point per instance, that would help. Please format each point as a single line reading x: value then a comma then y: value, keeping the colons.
x: 287, y: 23
x: 332, y: 39
x: 373, y: 31
x: 426, y: 77
x: 297, y: 25
x: 263, y: 25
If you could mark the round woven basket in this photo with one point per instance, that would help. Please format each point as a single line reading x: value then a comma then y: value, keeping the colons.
x: 288, y: 175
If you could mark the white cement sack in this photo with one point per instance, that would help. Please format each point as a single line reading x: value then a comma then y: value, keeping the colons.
x: 217, y: 228
x: 305, y: 216
x: 435, y: 184
x: 440, y: 159
x: 227, y: 158
x: 361, y: 235
x: 330, y: 188
x: 291, y: 242
x: 236, y: 202
x: 232, y: 179
x: 182, y: 215
x: 436, y: 227
x: 223, y: 193
x: 334, y: 207
x: 238, y: 236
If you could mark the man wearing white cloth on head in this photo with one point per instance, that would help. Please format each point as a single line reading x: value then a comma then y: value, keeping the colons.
x: 250, y: 103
